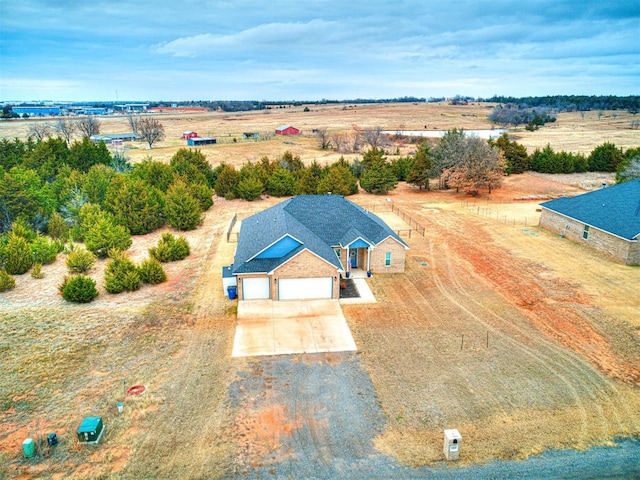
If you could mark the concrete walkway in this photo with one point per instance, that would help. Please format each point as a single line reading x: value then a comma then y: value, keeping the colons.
x: 360, y: 280
x: 267, y: 327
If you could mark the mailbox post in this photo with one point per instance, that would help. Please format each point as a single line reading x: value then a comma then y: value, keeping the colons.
x: 452, y: 440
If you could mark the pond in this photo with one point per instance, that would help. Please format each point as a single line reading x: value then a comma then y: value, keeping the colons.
x: 486, y: 134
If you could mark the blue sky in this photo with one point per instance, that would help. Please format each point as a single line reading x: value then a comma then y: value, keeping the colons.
x: 107, y: 50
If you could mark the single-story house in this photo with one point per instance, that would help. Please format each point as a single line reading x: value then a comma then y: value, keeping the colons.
x: 287, y: 130
x: 195, y: 141
x: 607, y: 220
x: 189, y: 134
x: 300, y: 248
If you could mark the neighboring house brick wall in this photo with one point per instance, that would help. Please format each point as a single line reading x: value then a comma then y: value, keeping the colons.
x: 614, y: 247
x: 306, y: 265
x: 398, y: 256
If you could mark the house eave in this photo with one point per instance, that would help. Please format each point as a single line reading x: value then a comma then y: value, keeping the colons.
x: 633, y: 239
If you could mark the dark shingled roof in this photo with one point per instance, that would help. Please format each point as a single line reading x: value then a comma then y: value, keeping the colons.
x: 613, y: 209
x: 319, y: 222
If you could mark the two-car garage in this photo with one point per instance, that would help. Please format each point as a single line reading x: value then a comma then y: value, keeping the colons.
x: 259, y: 288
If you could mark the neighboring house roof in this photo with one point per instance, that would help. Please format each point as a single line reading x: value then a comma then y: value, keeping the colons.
x: 615, y: 209
x: 317, y: 223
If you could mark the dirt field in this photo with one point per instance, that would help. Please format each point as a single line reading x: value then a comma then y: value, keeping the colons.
x: 570, y: 132
x: 497, y: 328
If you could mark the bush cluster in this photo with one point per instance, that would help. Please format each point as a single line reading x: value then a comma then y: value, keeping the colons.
x: 78, y: 289
x: 151, y: 271
x: 170, y: 249
x: 80, y: 261
x: 121, y: 275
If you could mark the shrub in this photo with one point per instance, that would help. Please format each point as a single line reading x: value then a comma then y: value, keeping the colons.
x: 121, y: 274
x: 57, y: 227
x: 78, y: 289
x: 36, y: 271
x: 203, y: 194
x: 80, y: 261
x: 17, y: 255
x: 43, y: 250
x: 105, y: 235
x: 7, y: 282
x: 182, y: 210
x: 170, y: 248
x: 151, y: 272
x: 21, y: 229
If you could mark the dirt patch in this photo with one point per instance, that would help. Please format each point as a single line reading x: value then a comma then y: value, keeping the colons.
x: 490, y: 330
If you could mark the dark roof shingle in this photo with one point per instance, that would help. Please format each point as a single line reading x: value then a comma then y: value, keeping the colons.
x: 320, y: 222
x: 614, y: 209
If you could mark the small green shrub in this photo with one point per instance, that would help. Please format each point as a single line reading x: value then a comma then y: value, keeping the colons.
x: 36, y: 271
x: 7, y: 282
x: 43, y: 250
x: 78, y: 289
x: 151, y: 271
x: 80, y: 261
x: 170, y: 249
x: 121, y: 274
x: 17, y: 255
x: 57, y: 228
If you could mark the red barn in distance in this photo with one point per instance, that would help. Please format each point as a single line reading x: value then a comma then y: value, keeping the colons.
x: 188, y: 135
x: 287, y: 130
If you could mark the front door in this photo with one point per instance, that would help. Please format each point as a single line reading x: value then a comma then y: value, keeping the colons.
x: 353, y: 257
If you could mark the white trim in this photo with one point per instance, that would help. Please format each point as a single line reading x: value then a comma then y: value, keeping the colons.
x: 406, y: 247
x: 371, y: 245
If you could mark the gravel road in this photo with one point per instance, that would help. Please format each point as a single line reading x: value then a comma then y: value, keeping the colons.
x: 315, y: 416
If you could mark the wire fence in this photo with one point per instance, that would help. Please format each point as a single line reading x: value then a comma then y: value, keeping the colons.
x: 493, y: 212
x: 408, y: 219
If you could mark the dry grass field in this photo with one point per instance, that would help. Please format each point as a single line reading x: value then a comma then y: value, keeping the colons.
x: 497, y: 327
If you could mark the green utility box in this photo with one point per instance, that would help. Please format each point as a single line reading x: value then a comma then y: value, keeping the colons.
x: 90, y: 430
x: 28, y: 446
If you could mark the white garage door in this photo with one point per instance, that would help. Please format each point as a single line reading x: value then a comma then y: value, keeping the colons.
x: 303, y: 288
x: 255, y: 288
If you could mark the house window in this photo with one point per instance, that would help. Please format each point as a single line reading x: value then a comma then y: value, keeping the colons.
x: 387, y: 259
x: 585, y: 232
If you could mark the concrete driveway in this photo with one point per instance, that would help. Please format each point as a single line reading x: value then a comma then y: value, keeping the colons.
x: 265, y: 327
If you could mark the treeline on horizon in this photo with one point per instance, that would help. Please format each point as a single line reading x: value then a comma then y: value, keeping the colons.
x: 557, y: 103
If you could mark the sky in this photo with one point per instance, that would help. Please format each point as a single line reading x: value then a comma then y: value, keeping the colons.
x: 178, y: 50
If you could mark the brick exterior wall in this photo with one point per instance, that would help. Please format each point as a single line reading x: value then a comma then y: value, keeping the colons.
x: 616, y: 248
x: 306, y: 265
x: 398, y: 256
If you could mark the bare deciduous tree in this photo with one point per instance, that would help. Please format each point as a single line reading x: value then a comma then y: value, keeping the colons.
x: 65, y: 128
x: 151, y: 130
x: 39, y: 131
x: 323, y: 138
x: 373, y: 137
x: 88, y: 125
x: 133, y: 122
